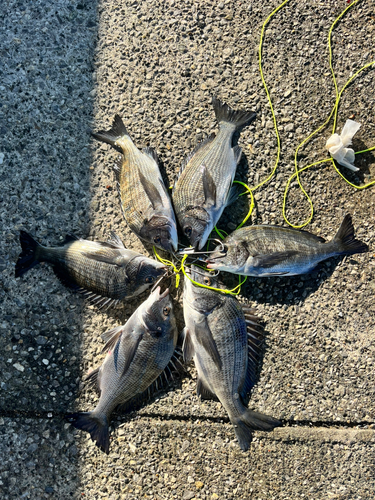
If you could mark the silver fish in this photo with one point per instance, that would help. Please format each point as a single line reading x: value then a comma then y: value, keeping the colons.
x: 105, y: 272
x: 138, y: 353
x: 280, y: 251
x: 223, y: 338
x: 145, y: 203
x: 203, y: 187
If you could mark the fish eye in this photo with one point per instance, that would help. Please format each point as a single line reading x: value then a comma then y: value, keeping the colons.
x: 225, y: 249
x: 207, y: 281
x: 149, y: 279
x: 166, y: 311
x: 187, y: 231
x: 157, y: 240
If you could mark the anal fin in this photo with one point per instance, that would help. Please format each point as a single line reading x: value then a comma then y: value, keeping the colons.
x: 204, y: 392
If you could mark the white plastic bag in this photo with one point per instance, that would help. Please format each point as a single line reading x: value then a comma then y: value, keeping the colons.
x: 337, y: 145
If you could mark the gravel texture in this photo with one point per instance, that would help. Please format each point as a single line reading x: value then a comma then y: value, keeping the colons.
x: 68, y: 67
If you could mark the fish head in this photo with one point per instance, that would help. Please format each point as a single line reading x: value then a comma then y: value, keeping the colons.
x: 199, y: 297
x: 197, y: 226
x: 161, y: 232
x: 149, y: 271
x: 231, y: 256
x: 158, y: 314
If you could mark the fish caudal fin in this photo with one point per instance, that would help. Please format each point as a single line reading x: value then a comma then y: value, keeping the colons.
x: 345, y: 239
x: 224, y: 113
x: 251, y: 421
x: 27, y: 258
x: 111, y: 136
x: 98, y: 428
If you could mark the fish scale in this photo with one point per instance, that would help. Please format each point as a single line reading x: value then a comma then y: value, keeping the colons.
x: 145, y: 203
x: 217, y: 337
x: 274, y: 250
x: 97, y: 269
x: 138, y: 353
x: 202, y: 189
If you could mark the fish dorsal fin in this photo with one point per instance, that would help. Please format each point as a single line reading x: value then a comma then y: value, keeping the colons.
x: 204, y: 392
x: 151, y: 153
x: 187, y: 345
x: 255, y: 342
x: 205, y: 339
x: 69, y: 238
x: 237, y: 151
x: 209, y: 187
x: 273, y: 259
x: 115, y: 240
x: 93, y: 379
x: 151, y: 191
x: 186, y: 160
x: 111, y: 337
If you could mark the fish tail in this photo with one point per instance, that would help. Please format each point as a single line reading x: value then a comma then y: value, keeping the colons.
x: 28, y: 257
x: 225, y: 113
x: 117, y: 131
x: 345, y: 239
x: 250, y: 421
x: 97, y: 427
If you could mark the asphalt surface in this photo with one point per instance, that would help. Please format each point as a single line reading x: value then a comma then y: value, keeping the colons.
x: 67, y: 68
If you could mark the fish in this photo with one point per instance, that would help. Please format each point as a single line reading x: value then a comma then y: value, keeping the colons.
x: 224, y: 339
x: 138, y: 353
x: 145, y: 202
x: 104, y: 272
x: 263, y: 251
x: 203, y: 187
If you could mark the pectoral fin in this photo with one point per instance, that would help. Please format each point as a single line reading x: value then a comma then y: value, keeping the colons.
x: 187, y: 346
x: 151, y: 191
x: 106, y: 258
x: 273, y: 259
x: 206, y: 340
x: 131, y: 342
x: 209, y: 187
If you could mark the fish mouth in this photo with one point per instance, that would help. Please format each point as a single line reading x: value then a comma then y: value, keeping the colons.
x: 160, y: 296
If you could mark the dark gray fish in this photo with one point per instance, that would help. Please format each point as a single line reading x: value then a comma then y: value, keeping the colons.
x: 281, y: 251
x: 203, y: 187
x: 224, y: 340
x: 138, y: 353
x: 105, y: 272
x: 145, y: 203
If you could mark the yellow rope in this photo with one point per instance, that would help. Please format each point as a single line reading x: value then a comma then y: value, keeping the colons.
x: 235, y: 291
x: 333, y: 112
